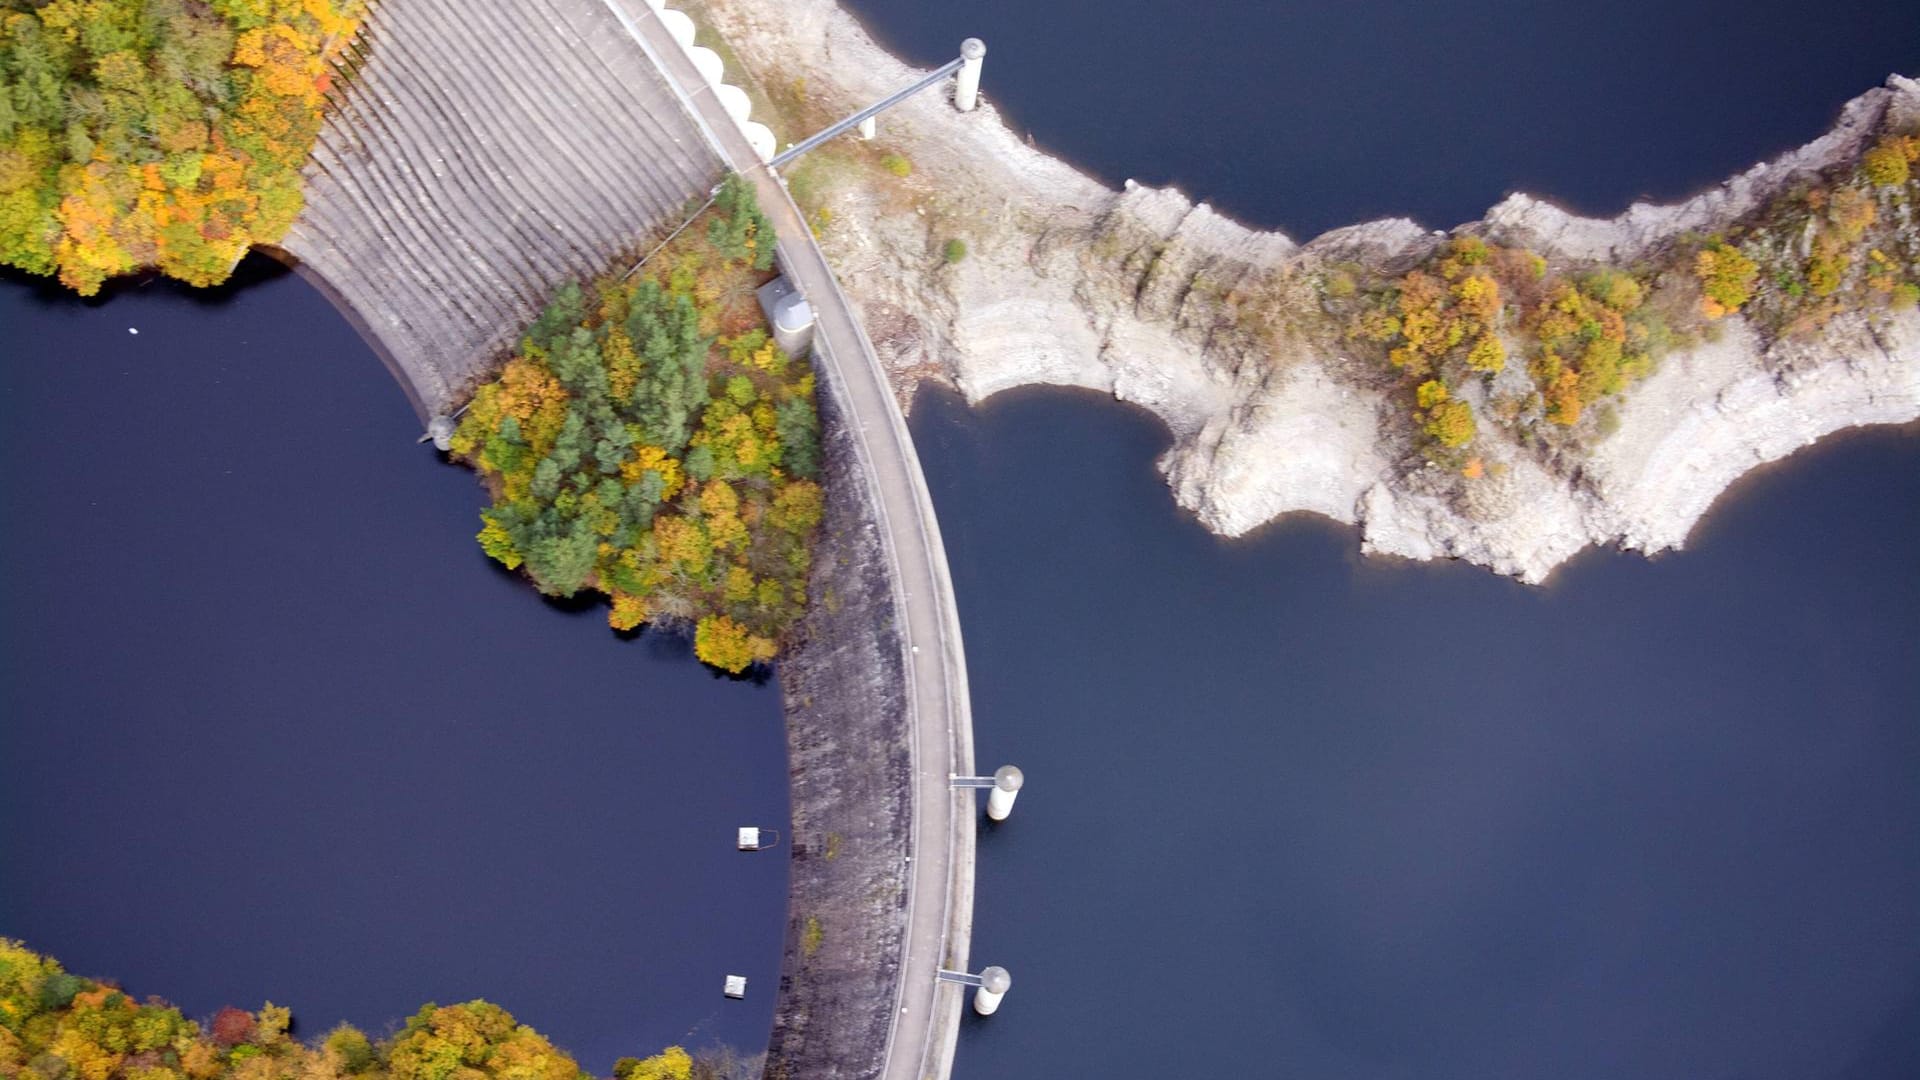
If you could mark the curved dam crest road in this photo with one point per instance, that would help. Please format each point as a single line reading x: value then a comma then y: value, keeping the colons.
x: 925, y: 1022
x: 479, y: 156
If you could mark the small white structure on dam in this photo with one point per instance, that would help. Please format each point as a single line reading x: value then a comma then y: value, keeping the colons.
x: 1002, y: 788
x: 1007, y: 780
x: 789, y: 314
x: 753, y: 838
x: 735, y: 100
x: 994, y: 984
x: 990, y: 986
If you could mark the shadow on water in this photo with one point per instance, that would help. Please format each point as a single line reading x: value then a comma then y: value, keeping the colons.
x: 580, y: 603
x: 757, y: 675
x: 669, y: 643
x: 253, y: 271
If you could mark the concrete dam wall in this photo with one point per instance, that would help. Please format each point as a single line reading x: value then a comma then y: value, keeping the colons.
x: 478, y: 156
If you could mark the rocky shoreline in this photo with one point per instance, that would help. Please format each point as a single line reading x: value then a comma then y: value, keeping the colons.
x: 1145, y: 295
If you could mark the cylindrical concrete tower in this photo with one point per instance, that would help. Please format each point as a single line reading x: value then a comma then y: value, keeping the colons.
x: 440, y: 429
x: 1006, y: 788
x: 994, y: 984
x: 966, y: 91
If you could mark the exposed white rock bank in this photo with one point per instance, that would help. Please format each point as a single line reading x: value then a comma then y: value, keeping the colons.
x: 1144, y: 294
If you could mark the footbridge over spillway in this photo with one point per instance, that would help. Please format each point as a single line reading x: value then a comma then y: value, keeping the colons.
x: 477, y: 155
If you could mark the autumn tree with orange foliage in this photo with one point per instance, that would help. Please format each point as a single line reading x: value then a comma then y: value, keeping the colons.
x: 1534, y: 346
x: 1451, y: 323
x: 1727, y: 278
x: 163, y: 133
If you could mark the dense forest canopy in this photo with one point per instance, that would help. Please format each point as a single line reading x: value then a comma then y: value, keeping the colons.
x: 649, y: 441
x: 166, y: 133
x: 59, y: 1026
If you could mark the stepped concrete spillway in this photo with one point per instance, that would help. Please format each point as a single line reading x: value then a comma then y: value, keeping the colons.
x: 477, y: 156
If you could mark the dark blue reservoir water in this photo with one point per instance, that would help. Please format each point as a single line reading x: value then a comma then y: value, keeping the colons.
x: 274, y: 728
x: 1311, y: 114
x: 1294, y: 814
x: 1291, y: 813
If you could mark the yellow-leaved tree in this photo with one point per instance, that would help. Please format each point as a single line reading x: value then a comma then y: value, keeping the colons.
x: 164, y: 133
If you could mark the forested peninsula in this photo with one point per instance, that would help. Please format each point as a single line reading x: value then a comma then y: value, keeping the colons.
x: 1508, y: 391
x: 648, y: 440
x: 55, y: 1025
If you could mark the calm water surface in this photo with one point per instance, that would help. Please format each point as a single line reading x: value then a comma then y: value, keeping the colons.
x: 1311, y: 114
x: 275, y: 729
x: 1293, y: 814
